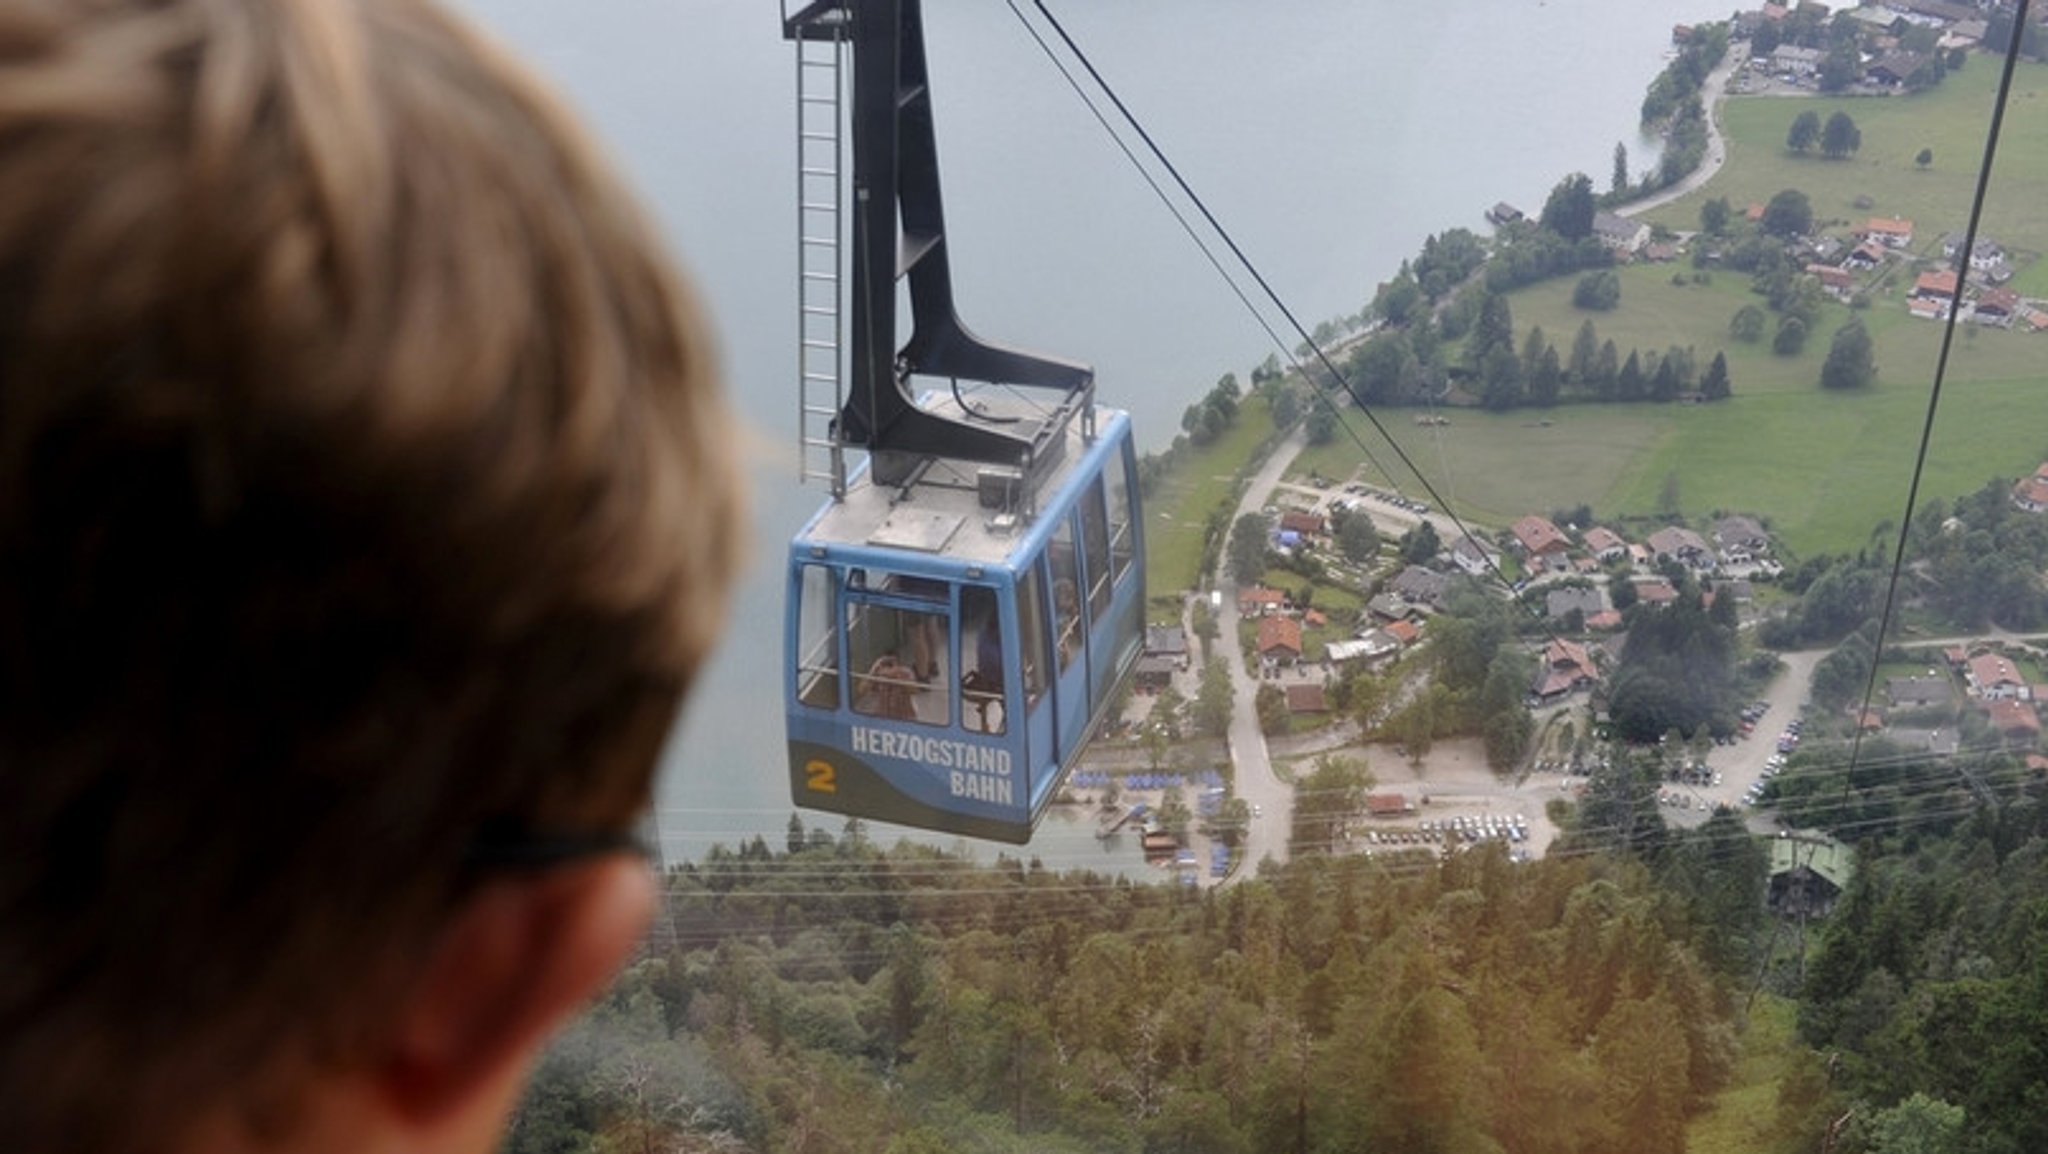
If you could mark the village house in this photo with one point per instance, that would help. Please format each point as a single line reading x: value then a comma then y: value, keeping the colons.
x: 1656, y: 591
x: 1740, y: 539
x: 1419, y: 586
x: 1541, y: 543
x: 1165, y: 653
x: 1153, y: 674
x: 1307, y: 698
x: 1794, y: 61
x: 1889, y: 231
x: 1678, y: 543
x: 1605, y: 544
x: 1560, y: 603
x: 1918, y: 692
x: 1985, y: 255
x: 1167, y: 641
x: 1472, y: 556
x: 1371, y: 645
x: 2015, y: 721
x: 1809, y: 872
x: 1565, y: 666
x: 1839, y: 281
x: 1938, y: 283
x: 1279, y: 641
x: 1387, y: 805
x: 2031, y: 494
x: 1994, y: 678
x: 1301, y: 522
x: 1258, y: 601
x: 1893, y: 69
x: 1388, y: 607
x: 1928, y: 308
x: 1935, y: 13
x: 1619, y: 232
x: 1405, y: 632
x: 1997, y: 307
x: 1865, y: 256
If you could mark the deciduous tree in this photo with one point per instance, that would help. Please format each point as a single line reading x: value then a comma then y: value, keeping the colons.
x: 1789, y: 214
x: 1248, y: 539
x: 1850, y: 363
x: 1805, y: 131
x: 1568, y: 211
x: 1840, y: 137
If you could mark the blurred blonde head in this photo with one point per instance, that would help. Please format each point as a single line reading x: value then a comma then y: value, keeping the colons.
x: 366, y: 505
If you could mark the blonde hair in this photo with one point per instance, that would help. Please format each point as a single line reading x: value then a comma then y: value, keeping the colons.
x: 365, y: 497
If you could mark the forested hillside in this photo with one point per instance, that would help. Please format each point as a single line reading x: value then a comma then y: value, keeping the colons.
x: 846, y: 998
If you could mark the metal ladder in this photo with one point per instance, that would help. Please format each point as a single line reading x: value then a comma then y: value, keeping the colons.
x: 821, y: 227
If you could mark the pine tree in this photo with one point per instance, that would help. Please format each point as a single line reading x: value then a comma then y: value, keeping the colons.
x: 1714, y: 386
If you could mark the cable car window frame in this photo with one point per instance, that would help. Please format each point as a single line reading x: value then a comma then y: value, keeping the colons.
x: 1122, y: 536
x: 817, y: 649
x: 980, y: 689
x: 894, y: 697
x: 1095, y: 549
x: 1033, y: 628
x: 1063, y: 563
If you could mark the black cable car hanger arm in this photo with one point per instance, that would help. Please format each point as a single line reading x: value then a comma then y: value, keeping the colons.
x: 896, y: 176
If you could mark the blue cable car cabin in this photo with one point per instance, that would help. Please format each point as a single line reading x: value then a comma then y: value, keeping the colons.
x: 969, y: 603
x: 946, y: 665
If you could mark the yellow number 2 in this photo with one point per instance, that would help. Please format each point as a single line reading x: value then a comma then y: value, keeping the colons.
x: 820, y: 777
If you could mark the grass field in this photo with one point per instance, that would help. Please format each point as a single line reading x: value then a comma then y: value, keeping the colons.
x: 1824, y: 469
x: 1739, y: 1120
x: 1203, y: 480
x: 1950, y: 119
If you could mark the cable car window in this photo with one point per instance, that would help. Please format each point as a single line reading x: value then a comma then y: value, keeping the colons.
x: 1122, y: 539
x: 817, y: 642
x: 981, y: 656
x: 1095, y: 537
x: 884, y: 645
x: 1031, y: 627
x: 1066, y: 593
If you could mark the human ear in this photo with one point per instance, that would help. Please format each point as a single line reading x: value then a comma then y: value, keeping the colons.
x: 524, y: 953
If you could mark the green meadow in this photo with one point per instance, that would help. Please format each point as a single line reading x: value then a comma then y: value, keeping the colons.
x: 1824, y: 469
x: 1202, y: 480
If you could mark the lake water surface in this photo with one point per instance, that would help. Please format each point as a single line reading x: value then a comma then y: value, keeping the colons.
x: 1330, y: 136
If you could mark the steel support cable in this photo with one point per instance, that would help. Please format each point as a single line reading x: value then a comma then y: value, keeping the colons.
x: 1188, y: 227
x: 1293, y: 322
x: 1948, y: 335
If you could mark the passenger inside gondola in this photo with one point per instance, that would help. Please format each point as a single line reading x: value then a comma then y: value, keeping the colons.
x: 981, y: 687
x: 885, y: 646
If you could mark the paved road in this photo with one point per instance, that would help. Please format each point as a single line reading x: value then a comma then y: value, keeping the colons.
x: 1272, y: 799
x: 1711, y: 92
x: 1742, y: 764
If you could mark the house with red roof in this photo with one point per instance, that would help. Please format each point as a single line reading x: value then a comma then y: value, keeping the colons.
x: 2016, y: 720
x: 1279, y: 640
x: 1656, y: 592
x: 1889, y: 231
x: 1682, y: 545
x: 1542, y: 543
x: 1300, y: 521
x: 1995, y: 678
x: 1307, y: 697
x: 2031, y: 493
x: 1258, y: 601
x: 1939, y: 283
x: 1605, y: 544
x: 1566, y: 666
x: 1996, y: 307
x: 1404, y: 631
